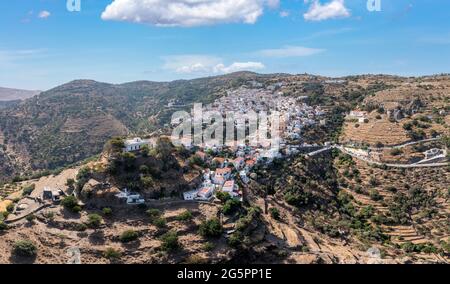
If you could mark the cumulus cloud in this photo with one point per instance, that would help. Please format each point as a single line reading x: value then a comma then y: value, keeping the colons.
x: 187, y: 13
x: 289, y: 51
x: 44, y: 14
x: 331, y: 10
x: 205, y: 64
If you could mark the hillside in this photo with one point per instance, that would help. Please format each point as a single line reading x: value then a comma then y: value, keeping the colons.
x: 72, y: 122
x: 365, y: 196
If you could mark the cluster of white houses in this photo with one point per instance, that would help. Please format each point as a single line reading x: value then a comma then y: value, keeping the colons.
x: 294, y: 116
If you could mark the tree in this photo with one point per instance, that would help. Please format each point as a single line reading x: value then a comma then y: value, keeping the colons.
x: 71, y: 203
x: 230, y: 206
x: 223, y: 196
x: 211, y: 228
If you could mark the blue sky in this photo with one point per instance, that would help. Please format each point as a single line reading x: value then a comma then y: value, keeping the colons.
x: 43, y: 44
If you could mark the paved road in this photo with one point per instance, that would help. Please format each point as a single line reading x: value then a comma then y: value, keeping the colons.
x: 392, y: 165
x: 403, y: 145
x: 421, y: 164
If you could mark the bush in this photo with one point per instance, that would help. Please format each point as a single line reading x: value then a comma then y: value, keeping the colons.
x: 211, y: 228
x: 10, y: 208
x: 71, y: 203
x: 375, y: 195
x: 25, y: 248
x: 170, y: 241
x: 223, y: 196
x: 275, y: 213
x: 107, y: 211
x: 80, y: 227
x: 159, y: 222
x: 3, y: 226
x: 129, y: 236
x: 94, y: 221
x: 30, y: 218
x: 231, y: 206
x: 235, y: 239
x: 112, y: 254
x: 185, y: 216
x: 208, y: 246
x: 27, y: 190
x: 152, y: 213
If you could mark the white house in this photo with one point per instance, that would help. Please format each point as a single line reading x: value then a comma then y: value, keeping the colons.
x: 359, y: 115
x: 190, y: 195
x: 205, y: 193
x: 131, y: 198
x: 222, y: 174
x: 231, y: 187
x: 136, y: 144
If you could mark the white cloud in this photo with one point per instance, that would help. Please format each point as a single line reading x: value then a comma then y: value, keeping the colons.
x: 205, y: 64
x: 331, y: 10
x: 289, y: 51
x: 187, y: 13
x: 239, y: 66
x: 44, y: 14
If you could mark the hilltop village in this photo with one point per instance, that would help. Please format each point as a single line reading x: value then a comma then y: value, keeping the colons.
x: 232, y: 166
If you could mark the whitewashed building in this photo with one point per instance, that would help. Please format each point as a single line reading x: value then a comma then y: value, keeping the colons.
x: 137, y: 144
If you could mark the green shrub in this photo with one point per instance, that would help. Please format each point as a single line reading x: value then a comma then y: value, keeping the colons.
x: 170, y: 241
x: 275, y: 213
x: 112, y: 254
x: 10, y: 208
x: 223, y: 196
x: 25, y: 248
x: 159, y: 222
x: 185, y: 216
x: 375, y: 195
x: 107, y: 211
x: 27, y: 190
x: 30, y: 218
x: 211, y: 228
x: 208, y: 246
x: 3, y: 226
x: 71, y: 203
x: 235, y: 239
x: 152, y: 213
x: 94, y: 221
x: 129, y: 236
x: 80, y: 227
x: 231, y: 206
